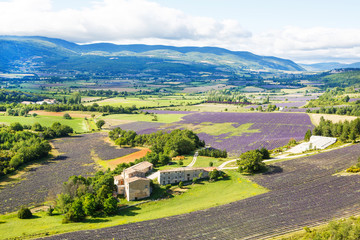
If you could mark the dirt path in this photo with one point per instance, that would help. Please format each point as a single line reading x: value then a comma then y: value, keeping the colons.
x: 304, y: 192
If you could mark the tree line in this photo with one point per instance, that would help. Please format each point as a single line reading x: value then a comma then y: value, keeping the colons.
x: 18, y: 147
x: 343, y: 130
x: 212, y: 152
x: 163, y: 145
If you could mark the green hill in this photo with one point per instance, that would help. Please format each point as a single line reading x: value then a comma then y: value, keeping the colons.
x: 41, y: 53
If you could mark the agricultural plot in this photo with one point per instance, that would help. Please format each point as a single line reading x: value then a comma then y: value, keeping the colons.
x: 43, y: 181
x: 235, y: 132
x: 147, y: 102
x: 304, y: 192
x: 240, y: 132
x: 78, y: 124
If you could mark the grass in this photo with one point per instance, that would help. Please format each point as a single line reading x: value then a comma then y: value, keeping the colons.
x: 147, y: 102
x: 78, y: 124
x: 226, y: 128
x: 202, y: 161
x: 209, y: 107
x: 161, y: 118
x: 197, y: 197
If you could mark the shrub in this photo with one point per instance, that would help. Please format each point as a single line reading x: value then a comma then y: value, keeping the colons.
x: 251, y: 161
x: 24, y: 213
x: 100, y: 123
x: 168, y: 186
x: 181, y: 184
x: 66, y: 116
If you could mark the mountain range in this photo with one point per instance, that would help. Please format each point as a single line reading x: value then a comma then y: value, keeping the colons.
x: 32, y: 54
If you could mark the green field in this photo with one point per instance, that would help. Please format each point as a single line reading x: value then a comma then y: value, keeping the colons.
x: 197, y: 197
x: 209, y: 107
x: 162, y: 118
x: 148, y: 102
x: 78, y: 124
x: 204, y: 161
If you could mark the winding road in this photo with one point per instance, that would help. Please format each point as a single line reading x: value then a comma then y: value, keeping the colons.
x: 304, y: 192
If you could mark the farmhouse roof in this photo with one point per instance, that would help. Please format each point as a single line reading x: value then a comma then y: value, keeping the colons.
x: 140, y: 167
x: 134, y: 179
x: 181, y: 169
x: 118, y: 177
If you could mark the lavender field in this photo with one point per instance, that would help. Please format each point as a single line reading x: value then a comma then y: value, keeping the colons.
x: 237, y: 132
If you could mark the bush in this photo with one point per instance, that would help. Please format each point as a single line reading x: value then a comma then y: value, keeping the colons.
x: 100, y: 123
x: 251, y: 161
x: 181, y: 184
x: 66, y: 116
x: 24, y: 213
x: 168, y: 186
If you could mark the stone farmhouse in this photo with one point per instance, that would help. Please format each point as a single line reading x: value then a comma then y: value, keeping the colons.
x: 132, y: 182
x: 174, y: 176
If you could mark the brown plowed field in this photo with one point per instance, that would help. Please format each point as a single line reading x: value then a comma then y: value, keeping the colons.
x: 129, y: 158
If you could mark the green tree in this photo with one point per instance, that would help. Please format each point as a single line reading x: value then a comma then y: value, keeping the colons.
x: 214, y: 175
x: 308, y: 134
x: 250, y: 162
x: 100, y: 123
x: 24, y: 213
x: 76, y: 212
x: 16, y: 126
x: 110, y: 206
x: 66, y: 116
x: 89, y: 205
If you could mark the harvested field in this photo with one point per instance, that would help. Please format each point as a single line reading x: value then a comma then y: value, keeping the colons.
x: 315, y: 118
x: 128, y: 158
x: 44, y: 181
x: 304, y: 192
x: 107, y: 151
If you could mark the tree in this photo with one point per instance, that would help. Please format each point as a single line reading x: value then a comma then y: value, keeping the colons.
x: 24, y: 213
x: 265, y: 153
x: 110, y: 205
x: 16, y: 126
x: 308, y: 134
x: 100, y: 123
x: 352, y: 136
x: 214, y: 175
x: 66, y: 116
x: 250, y: 162
x: 76, y: 212
x: 89, y: 205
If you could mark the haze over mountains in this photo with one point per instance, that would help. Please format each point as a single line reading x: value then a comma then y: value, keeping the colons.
x: 32, y: 53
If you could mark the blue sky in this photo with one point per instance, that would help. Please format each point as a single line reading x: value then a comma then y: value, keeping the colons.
x: 304, y: 31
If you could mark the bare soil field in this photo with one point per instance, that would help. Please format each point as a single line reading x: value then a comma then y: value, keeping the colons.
x: 304, y: 192
x: 44, y: 180
x: 315, y: 118
x: 129, y: 158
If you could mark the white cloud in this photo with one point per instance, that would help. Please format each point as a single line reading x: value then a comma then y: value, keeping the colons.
x: 109, y: 20
x: 143, y: 21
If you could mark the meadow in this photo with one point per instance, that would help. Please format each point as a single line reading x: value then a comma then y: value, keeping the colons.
x: 194, y: 197
x: 149, y: 101
x: 78, y: 124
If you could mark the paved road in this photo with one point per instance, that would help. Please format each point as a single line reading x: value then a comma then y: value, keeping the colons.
x: 303, y: 192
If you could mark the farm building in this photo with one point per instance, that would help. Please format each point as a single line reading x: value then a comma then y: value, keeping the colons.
x: 132, y: 182
x: 174, y: 176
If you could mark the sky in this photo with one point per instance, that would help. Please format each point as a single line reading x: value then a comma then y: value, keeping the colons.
x: 305, y: 31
